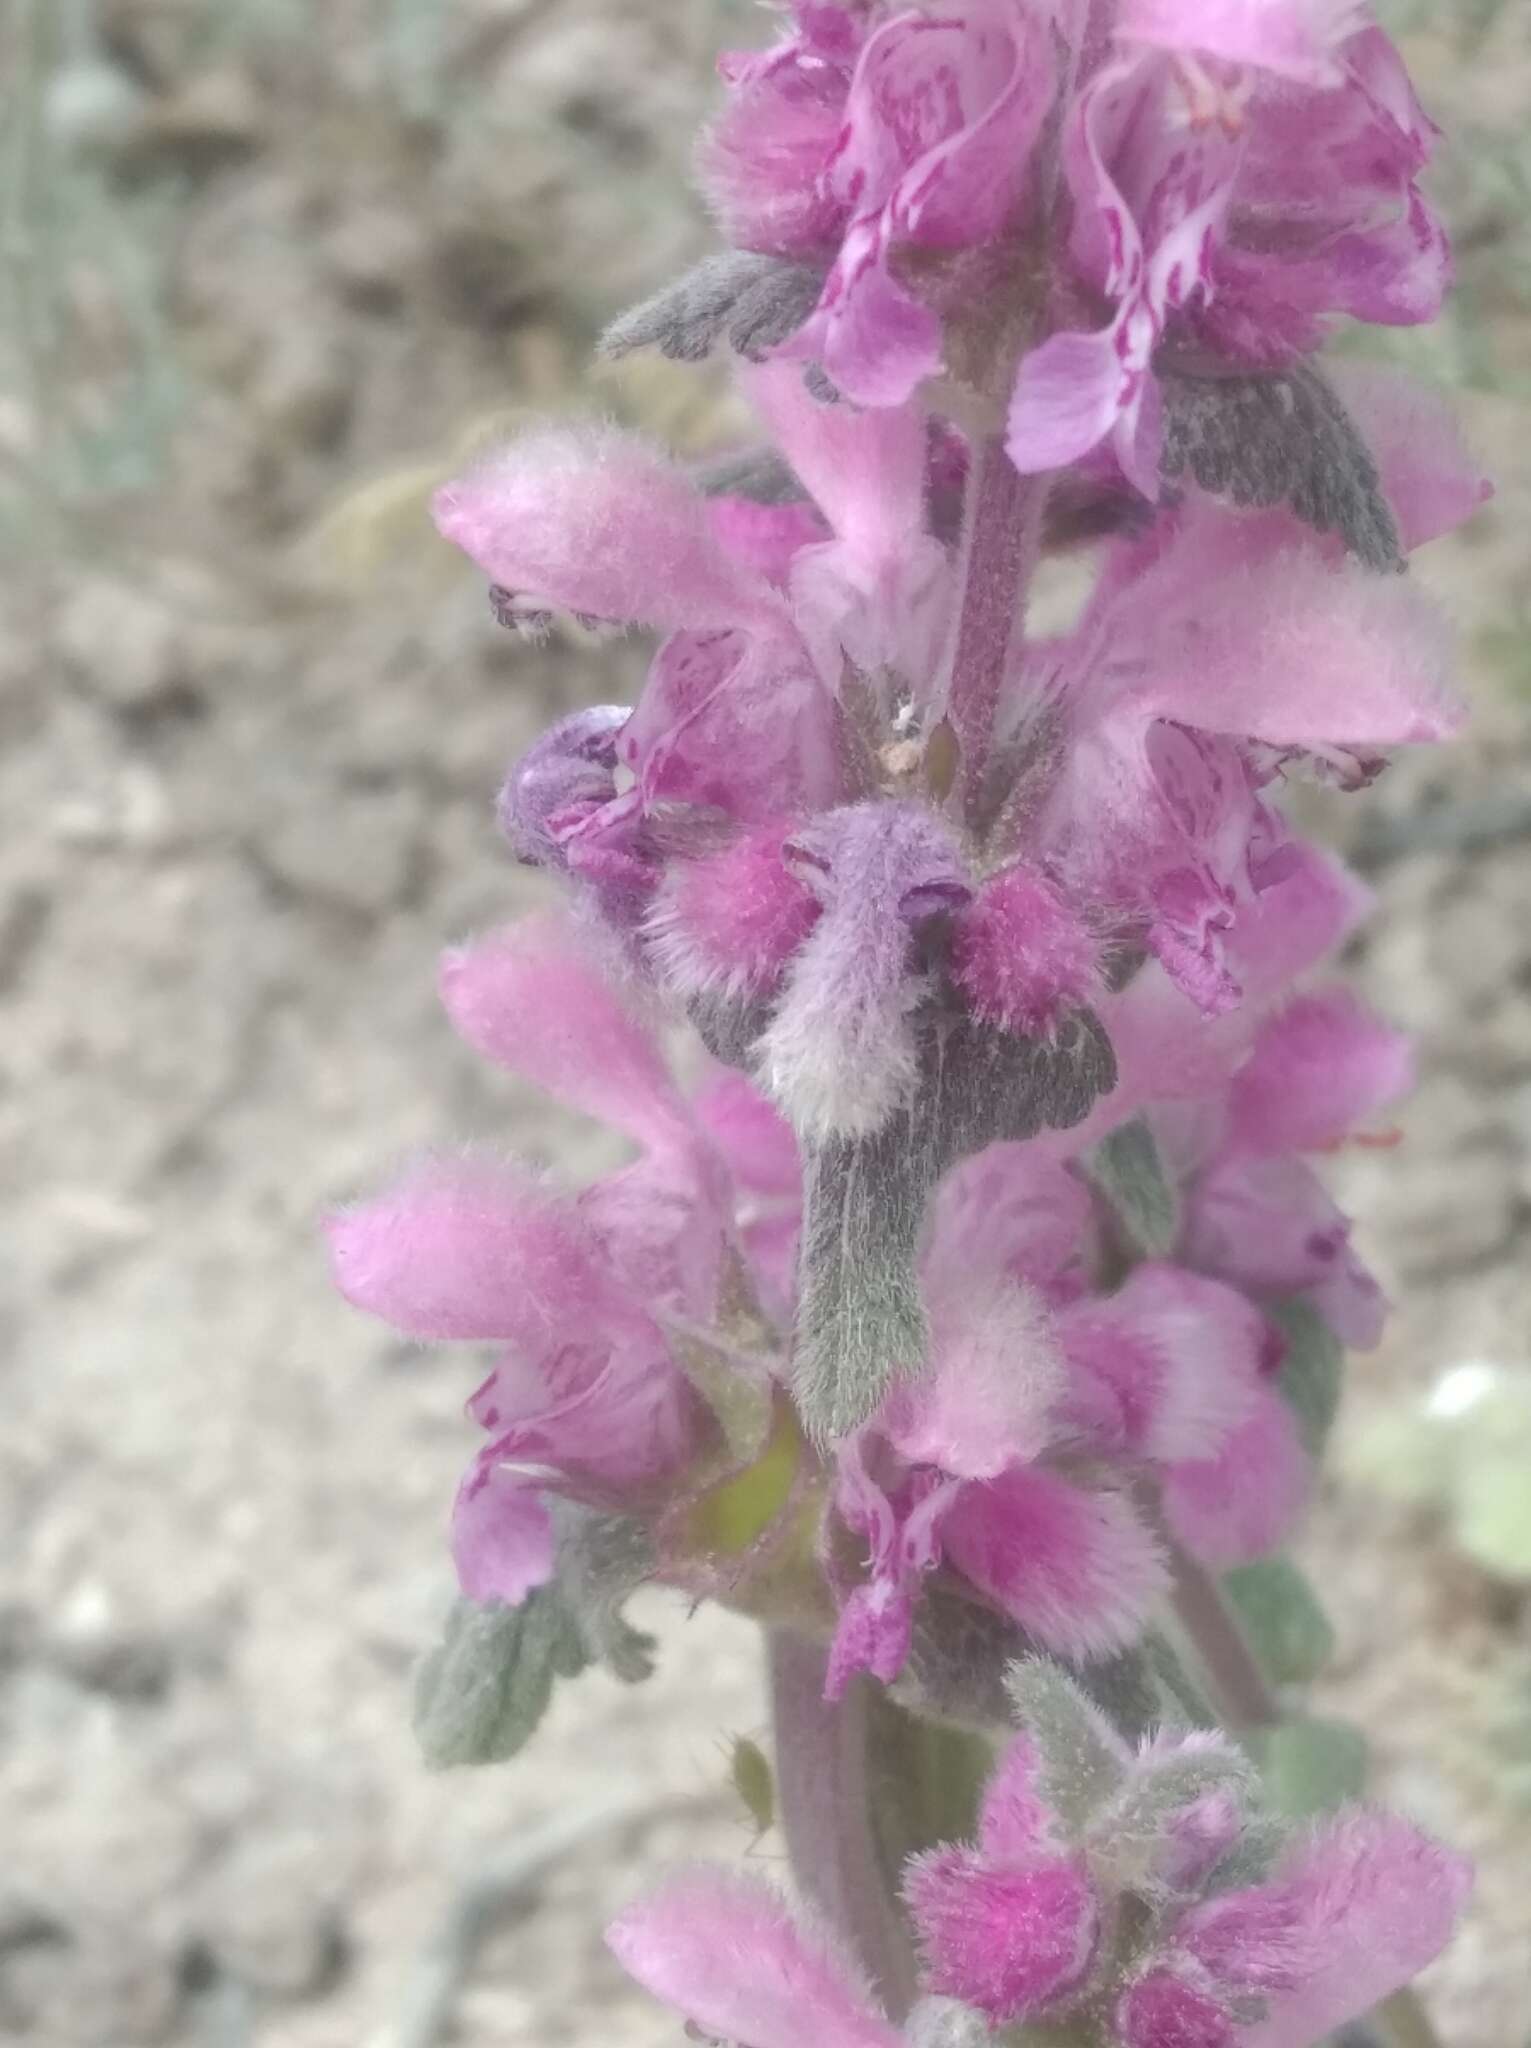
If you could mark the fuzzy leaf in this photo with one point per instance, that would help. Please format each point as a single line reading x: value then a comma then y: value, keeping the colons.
x: 1127, y: 1170
x: 1312, y: 1372
x: 1127, y: 1836
x: 481, y: 1693
x: 1311, y: 1766
x: 861, y: 1321
x: 1083, y: 1762
x: 1281, y: 438
x: 602, y: 1561
x: 1280, y: 1615
x: 753, y: 301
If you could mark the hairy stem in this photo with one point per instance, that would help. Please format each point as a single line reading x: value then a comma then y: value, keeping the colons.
x: 1004, y: 523
x: 824, y: 1794
x: 1243, y: 1697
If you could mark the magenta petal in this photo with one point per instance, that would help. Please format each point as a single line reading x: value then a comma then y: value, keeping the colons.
x: 1069, y: 394
x: 726, y: 926
x: 725, y: 1951
x: 1167, y: 1365
x: 1242, y: 1504
x: 874, y: 341
x: 1320, y: 1067
x: 1380, y: 1901
x: 1075, y: 1567
x: 1011, y: 1938
x: 502, y: 1539
x: 1297, y: 39
x: 1161, y: 2010
x: 1015, y: 1821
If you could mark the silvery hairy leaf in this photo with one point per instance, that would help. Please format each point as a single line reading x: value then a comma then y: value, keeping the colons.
x: 482, y: 1691
x: 1083, y: 1761
x: 1280, y: 437
x: 751, y: 302
x: 861, y: 1321
x: 1128, y: 1174
x: 602, y: 1561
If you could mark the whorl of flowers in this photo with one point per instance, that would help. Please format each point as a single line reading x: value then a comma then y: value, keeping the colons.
x: 982, y: 1286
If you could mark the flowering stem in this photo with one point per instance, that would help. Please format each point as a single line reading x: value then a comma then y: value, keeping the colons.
x: 1004, y: 523
x: 1240, y: 1690
x: 824, y: 1796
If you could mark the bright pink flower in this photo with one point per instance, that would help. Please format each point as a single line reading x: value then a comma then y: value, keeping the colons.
x: 1022, y: 955
x: 1240, y: 174
x: 1349, y: 1914
x: 1009, y: 1936
x: 939, y: 124
x: 587, y: 1398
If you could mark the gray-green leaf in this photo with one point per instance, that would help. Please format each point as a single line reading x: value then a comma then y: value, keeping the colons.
x: 1311, y: 1766
x: 1083, y: 1761
x: 1126, y: 1169
x: 1312, y: 1371
x: 1282, y: 1620
x: 481, y: 1692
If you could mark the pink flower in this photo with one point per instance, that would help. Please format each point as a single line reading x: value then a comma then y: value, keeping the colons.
x: 726, y: 1951
x: 1239, y: 175
x: 1349, y: 1914
x: 587, y: 1399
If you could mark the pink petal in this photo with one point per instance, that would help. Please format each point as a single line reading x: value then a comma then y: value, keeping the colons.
x: 467, y: 1248
x: 1011, y: 1210
x: 1021, y: 953
x: 987, y: 1397
x: 1299, y: 654
x: 1320, y: 1067
x: 864, y: 470
x: 755, y: 1139
x: 1011, y: 1938
x: 1075, y: 1567
x: 1243, y: 1503
x: 1432, y: 481
x: 1161, y: 2010
x: 1014, y: 1820
x: 873, y: 1634
x: 502, y: 1539
x: 874, y: 340
x: 1071, y: 391
x: 532, y: 998
x: 1381, y: 1901
x: 727, y: 723
x: 1298, y: 39
x: 593, y: 522
x: 767, y: 538
x: 1169, y: 1363
x: 724, y: 1950
x: 725, y: 927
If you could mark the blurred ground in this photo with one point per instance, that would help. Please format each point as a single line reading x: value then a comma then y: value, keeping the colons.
x: 247, y: 800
